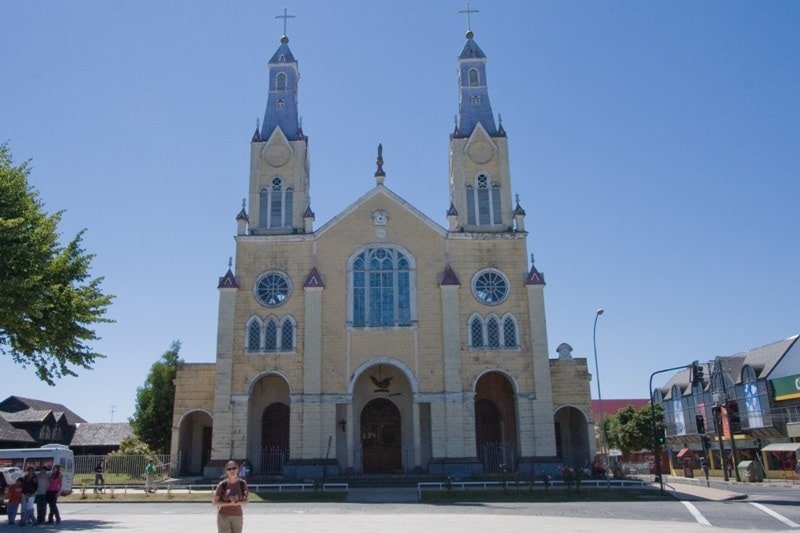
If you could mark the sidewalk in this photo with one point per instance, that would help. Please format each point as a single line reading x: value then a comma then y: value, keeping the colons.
x: 692, y: 491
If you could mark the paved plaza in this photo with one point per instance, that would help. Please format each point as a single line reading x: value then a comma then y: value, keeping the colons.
x: 370, y: 519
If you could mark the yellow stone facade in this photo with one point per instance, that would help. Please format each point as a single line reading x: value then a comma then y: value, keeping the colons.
x: 435, y: 364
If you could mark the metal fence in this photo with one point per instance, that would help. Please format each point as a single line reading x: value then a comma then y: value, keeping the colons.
x: 120, y: 469
x: 272, y: 460
x: 499, y: 456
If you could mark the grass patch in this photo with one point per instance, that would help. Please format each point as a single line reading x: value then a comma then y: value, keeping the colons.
x: 552, y: 495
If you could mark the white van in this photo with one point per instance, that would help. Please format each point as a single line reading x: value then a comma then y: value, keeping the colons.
x: 48, y: 455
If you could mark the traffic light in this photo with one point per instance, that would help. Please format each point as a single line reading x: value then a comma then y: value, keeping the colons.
x: 701, y: 424
x: 661, y: 438
x: 697, y: 374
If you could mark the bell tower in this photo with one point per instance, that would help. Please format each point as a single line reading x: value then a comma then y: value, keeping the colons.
x: 279, y: 167
x: 480, y: 185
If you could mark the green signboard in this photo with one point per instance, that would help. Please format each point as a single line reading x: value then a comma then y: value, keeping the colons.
x: 787, y: 388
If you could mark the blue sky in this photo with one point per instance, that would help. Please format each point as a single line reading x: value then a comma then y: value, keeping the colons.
x: 654, y: 146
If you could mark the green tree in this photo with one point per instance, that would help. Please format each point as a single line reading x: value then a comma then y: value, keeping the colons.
x: 48, y: 301
x: 133, y: 445
x: 631, y: 429
x: 152, y: 421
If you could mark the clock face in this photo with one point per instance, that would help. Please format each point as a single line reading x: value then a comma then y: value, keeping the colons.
x: 276, y: 155
x: 490, y: 287
x: 480, y: 152
x: 272, y: 289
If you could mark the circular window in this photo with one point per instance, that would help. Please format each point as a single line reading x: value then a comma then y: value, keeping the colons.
x: 490, y: 287
x: 272, y: 289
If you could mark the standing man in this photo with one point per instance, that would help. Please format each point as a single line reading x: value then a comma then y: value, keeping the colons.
x: 99, y: 479
x: 149, y: 471
x: 30, y: 485
x: 41, y: 494
x: 230, y: 497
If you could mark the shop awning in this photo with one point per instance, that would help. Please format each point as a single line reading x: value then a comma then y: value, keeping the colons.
x: 683, y: 452
x: 782, y: 447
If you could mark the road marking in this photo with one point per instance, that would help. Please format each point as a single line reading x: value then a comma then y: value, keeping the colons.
x: 774, y: 514
x: 696, y: 514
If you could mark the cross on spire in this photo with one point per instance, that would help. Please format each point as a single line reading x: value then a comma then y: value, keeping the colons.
x: 287, y: 16
x: 468, y: 11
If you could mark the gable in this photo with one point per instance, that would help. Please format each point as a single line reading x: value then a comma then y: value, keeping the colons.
x: 382, y: 198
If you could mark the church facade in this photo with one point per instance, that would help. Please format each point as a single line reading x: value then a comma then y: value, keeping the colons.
x: 382, y: 342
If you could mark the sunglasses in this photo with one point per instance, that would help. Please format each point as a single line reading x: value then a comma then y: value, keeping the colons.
x: 231, y: 468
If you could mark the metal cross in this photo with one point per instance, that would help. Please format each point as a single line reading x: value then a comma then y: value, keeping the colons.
x: 287, y: 16
x: 468, y: 11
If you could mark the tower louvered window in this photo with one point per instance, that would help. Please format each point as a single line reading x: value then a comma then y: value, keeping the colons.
x: 276, y: 205
x: 483, y: 202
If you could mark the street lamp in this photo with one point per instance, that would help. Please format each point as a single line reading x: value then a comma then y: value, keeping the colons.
x: 599, y: 394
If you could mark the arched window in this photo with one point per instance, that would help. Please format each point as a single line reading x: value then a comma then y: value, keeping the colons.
x: 509, y: 332
x: 271, y: 337
x: 254, y: 335
x: 493, y: 333
x: 276, y: 334
x: 475, y: 100
x: 381, y: 282
x: 276, y: 205
x: 280, y: 81
x: 474, y: 77
x: 281, y: 103
x: 483, y: 201
x: 476, y: 332
x: 287, y: 335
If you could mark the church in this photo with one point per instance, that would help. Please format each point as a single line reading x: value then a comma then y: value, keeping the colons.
x: 382, y: 342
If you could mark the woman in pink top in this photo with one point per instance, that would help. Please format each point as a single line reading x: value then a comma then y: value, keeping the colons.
x: 53, y: 490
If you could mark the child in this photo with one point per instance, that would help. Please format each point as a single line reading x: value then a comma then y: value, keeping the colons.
x: 14, y: 500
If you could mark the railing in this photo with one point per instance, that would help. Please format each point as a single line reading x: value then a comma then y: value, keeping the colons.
x: 556, y: 483
x: 210, y: 487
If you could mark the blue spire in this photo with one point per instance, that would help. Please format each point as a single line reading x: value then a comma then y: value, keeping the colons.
x: 473, y: 105
x: 282, y: 96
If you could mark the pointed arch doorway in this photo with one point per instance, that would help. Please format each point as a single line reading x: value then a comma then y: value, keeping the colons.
x: 381, y: 437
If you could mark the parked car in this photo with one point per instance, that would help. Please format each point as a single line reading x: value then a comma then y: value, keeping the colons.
x: 8, y: 476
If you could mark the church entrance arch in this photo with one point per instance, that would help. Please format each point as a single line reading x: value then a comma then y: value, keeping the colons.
x: 496, y: 423
x: 572, y: 436
x: 268, y: 425
x: 381, y: 437
x: 194, y: 439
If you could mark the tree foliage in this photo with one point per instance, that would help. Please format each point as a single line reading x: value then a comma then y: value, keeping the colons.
x: 48, y: 302
x: 631, y: 429
x: 152, y: 421
x: 133, y: 445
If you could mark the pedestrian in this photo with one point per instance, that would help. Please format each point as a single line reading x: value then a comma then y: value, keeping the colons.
x: 230, y: 497
x: 43, y: 478
x: 99, y: 478
x: 149, y: 471
x: 29, y: 486
x: 53, y: 490
x: 14, y: 500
